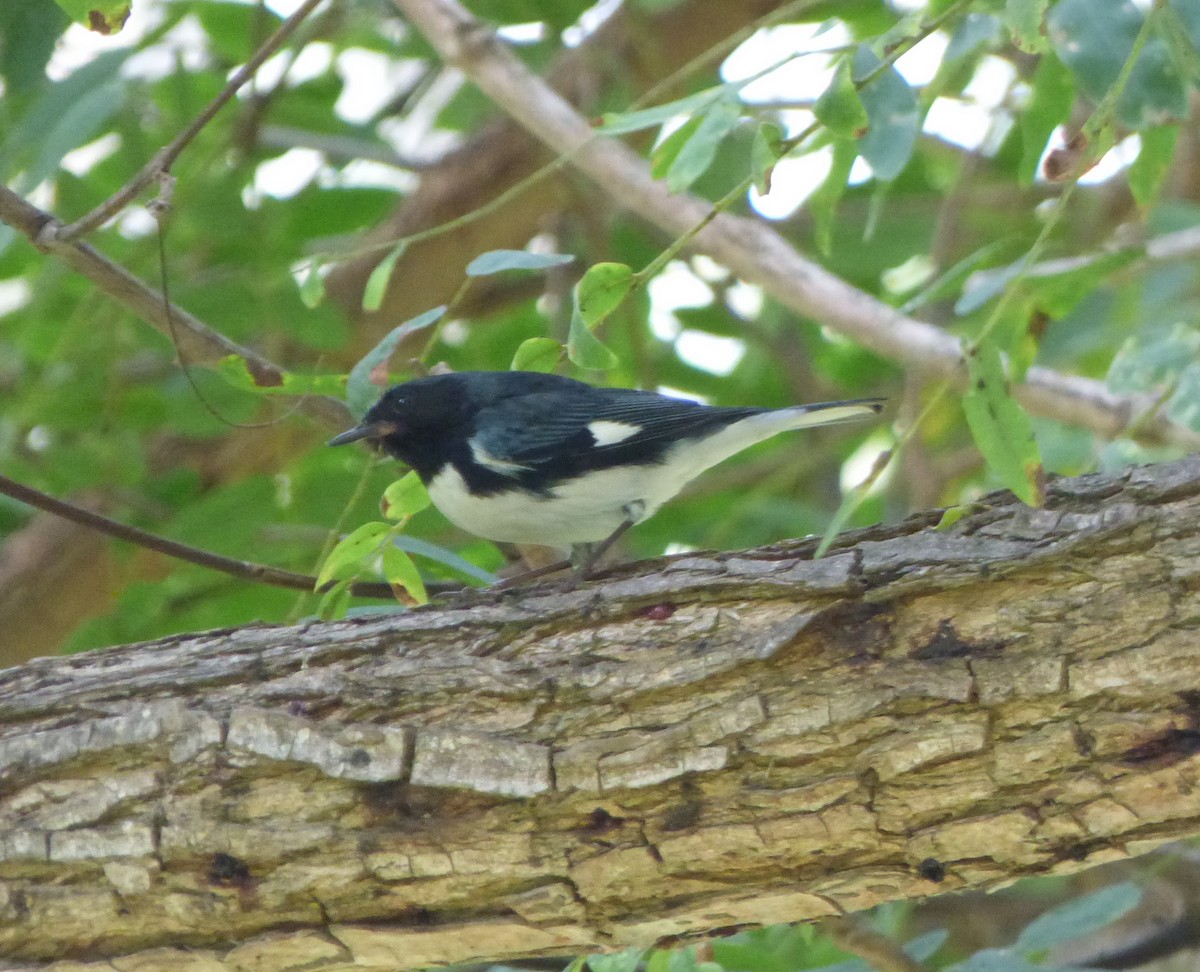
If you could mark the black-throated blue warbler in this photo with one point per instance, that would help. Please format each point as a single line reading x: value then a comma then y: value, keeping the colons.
x: 536, y: 458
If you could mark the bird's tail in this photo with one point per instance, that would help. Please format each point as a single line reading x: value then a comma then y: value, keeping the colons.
x: 823, y: 413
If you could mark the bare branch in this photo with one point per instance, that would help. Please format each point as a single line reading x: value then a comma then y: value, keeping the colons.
x: 750, y: 248
x: 244, y: 569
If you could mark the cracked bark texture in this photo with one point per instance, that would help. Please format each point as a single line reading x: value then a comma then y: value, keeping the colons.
x: 683, y: 747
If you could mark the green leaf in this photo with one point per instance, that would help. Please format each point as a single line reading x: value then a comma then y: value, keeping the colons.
x: 597, y: 295
x: 496, y: 261
x: 448, y: 558
x: 352, y: 549
x: 892, y: 117
x: 839, y: 108
x: 996, y: 960
x: 1049, y: 106
x: 1077, y: 918
x: 400, y: 571
x: 765, y: 151
x: 405, y: 497
x: 238, y: 372
x: 101, y: 16
x: 335, y: 602
x: 1058, y: 294
x: 1180, y: 37
x: 952, y: 514
x: 601, y: 291
x: 626, y: 961
x: 1094, y: 40
x: 948, y: 281
x: 312, y: 288
x: 983, y: 285
x: 697, y: 154
x: 361, y: 391
x: 659, y: 960
x: 1025, y: 19
x: 585, y: 350
x: 974, y: 31
x: 667, y: 151
x: 537, y: 354
x: 1000, y: 427
x: 1184, y: 404
x: 377, y: 283
x: 1154, y: 361
x: 822, y: 204
x: 635, y: 121
x: 30, y: 29
x: 1153, y: 162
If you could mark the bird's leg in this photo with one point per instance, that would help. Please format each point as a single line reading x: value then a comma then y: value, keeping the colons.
x: 585, y: 556
x: 532, y: 574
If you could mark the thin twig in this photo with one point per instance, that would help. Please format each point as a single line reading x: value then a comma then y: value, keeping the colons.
x: 243, y: 569
x: 165, y: 157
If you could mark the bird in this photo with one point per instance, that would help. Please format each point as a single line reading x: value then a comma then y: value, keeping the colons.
x: 536, y: 458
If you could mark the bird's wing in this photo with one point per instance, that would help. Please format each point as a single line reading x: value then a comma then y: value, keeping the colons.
x: 609, y: 424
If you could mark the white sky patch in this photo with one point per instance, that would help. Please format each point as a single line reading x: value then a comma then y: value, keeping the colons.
x: 1116, y: 159
x: 991, y: 81
x: 919, y: 65
x: 186, y: 43
x: 14, y: 294
x: 802, y: 79
x: 590, y: 21
x: 675, y: 287
x: 80, y: 160
x: 369, y: 80
x: 529, y: 33
x: 710, y: 352
x: 794, y: 180
x: 958, y: 122
x: 136, y: 223
x: 373, y: 175
x: 313, y: 61
x: 286, y: 175
x: 745, y: 300
x: 78, y: 45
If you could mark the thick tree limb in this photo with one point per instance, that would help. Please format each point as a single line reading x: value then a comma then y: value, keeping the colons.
x: 692, y: 745
x: 749, y: 247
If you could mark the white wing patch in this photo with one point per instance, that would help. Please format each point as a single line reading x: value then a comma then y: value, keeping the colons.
x: 607, y: 432
x: 501, y: 466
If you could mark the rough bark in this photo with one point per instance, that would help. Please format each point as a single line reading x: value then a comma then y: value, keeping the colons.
x: 684, y: 746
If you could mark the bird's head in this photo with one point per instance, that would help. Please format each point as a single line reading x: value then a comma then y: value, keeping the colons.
x: 408, y: 416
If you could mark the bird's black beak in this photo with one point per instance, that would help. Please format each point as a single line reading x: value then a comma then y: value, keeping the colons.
x: 364, y: 430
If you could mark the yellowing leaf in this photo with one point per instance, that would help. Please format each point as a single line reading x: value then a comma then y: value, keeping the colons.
x: 400, y: 571
x: 405, y: 497
x: 352, y: 548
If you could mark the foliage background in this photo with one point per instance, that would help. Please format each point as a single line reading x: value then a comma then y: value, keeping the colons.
x: 99, y: 409
x: 314, y: 172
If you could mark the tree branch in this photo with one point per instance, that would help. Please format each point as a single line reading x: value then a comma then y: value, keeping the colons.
x: 243, y: 569
x: 691, y: 745
x: 752, y: 250
x: 198, y: 342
